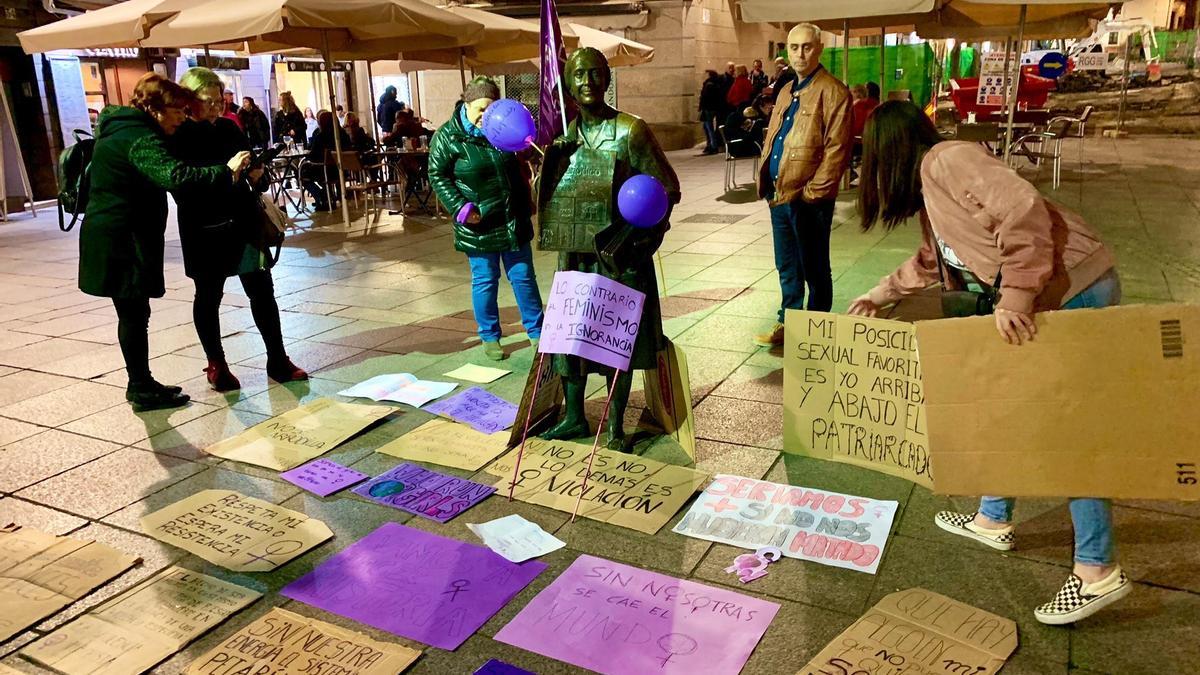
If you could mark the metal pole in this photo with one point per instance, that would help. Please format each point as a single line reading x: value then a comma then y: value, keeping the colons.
x: 1016, y: 88
x: 462, y: 67
x: 882, y: 62
x: 371, y: 89
x: 337, y: 126
x: 846, y: 52
x: 1124, y: 86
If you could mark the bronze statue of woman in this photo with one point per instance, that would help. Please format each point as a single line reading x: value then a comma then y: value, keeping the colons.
x: 583, y: 170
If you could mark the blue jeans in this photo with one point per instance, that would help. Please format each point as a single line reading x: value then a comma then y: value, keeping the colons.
x: 709, y: 121
x: 1092, y: 517
x: 801, y: 233
x: 485, y: 282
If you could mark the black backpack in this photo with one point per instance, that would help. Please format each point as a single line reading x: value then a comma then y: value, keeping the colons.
x: 73, y: 166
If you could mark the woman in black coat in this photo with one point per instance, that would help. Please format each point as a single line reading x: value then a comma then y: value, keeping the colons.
x: 254, y: 123
x: 289, y: 121
x: 220, y: 230
x: 122, y: 237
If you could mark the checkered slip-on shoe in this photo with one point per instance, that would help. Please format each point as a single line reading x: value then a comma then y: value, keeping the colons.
x: 1078, y: 601
x: 962, y: 525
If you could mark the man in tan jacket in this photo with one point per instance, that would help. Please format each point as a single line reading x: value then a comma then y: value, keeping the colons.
x: 807, y: 146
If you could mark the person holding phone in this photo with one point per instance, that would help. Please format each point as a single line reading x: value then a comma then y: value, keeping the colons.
x: 977, y: 216
x: 486, y: 191
x: 220, y: 230
x: 122, y: 239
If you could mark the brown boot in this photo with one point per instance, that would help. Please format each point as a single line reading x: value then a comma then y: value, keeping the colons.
x: 771, y: 338
x: 220, y: 378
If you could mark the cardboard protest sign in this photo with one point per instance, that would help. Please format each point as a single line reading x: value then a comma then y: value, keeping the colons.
x: 624, y: 490
x: 1101, y: 403
x: 234, y: 531
x: 401, y: 388
x: 297, y: 436
x: 826, y: 527
x: 418, y: 585
x: 478, y: 408
x: 542, y: 410
x: 323, y: 477
x: 425, y: 493
x: 919, y: 632
x: 449, y: 444
x: 591, y: 316
x: 284, y: 643
x: 669, y: 397
x: 852, y: 393
x: 144, y: 625
x: 618, y: 620
x: 41, y: 573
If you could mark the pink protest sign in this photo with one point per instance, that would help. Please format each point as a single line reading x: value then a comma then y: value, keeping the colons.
x: 618, y: 620
x: 593, y: 317
x: 415, y: 584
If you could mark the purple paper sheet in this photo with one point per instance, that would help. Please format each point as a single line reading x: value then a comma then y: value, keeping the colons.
x: 593, y: 317
x: 494, y: 667
x: 622, y: 620
x: 323, y: 477
x: 422, y: 492
x: 414, y: 584
x: 482, y: 410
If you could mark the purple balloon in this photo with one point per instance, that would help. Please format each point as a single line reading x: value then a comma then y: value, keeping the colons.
x: 643, y: 201
x: 508, y: 125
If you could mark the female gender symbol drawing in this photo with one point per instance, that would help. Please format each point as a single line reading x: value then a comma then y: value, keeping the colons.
x: 676, y: 644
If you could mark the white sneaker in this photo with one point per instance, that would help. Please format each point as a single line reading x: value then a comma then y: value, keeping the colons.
x: 1077, y: 600
x: 963, y: 525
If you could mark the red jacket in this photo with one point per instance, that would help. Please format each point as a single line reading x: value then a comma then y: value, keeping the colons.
x: 860, y: 110
x: 740, y: 92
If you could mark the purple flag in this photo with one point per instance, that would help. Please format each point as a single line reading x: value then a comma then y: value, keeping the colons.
x: 554, y: 57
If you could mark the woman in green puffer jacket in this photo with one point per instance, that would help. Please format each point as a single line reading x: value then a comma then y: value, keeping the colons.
x: 122, y: 237
x: 486, y: 192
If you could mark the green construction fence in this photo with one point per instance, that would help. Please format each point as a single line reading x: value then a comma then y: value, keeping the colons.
x: 1175, y: 46
x: 905, y: 67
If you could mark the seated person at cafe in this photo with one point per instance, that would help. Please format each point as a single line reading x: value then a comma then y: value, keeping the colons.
x: 360, y: 141
x: 321, y: 165
x: 744, y: 129
x: 407, y: 126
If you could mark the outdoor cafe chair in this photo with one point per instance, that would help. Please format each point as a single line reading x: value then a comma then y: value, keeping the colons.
x: 735, y: 150
x: 362, y: 178
x: 1042, y: 146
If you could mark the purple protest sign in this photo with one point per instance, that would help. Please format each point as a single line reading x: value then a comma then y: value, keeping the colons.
x: 593, y: 317
x: 618, y: 620
x: 425, y: 493
x: 494, y: 667
x: 482, y: 410
x: 414, y: 584
x: 323, y: 477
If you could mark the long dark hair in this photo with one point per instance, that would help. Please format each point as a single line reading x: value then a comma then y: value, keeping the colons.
x: 895, y: 140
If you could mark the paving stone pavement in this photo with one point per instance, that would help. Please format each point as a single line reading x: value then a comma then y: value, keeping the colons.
x: 389, y: 294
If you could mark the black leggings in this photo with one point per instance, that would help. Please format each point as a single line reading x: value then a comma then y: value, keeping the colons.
x: 207, y: 308
x: 133, y: 328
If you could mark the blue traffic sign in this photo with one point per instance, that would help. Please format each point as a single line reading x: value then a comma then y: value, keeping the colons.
x: 1053, y: 65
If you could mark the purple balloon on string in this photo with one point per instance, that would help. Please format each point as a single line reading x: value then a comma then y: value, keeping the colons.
x: 643, y: 201
x: 508, y: 125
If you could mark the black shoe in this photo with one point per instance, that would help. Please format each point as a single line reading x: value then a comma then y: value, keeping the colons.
x: 154, y: 396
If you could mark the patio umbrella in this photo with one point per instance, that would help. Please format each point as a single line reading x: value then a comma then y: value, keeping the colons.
x: 337, y: 28
x: 122, y: 25
x: 618, y: 50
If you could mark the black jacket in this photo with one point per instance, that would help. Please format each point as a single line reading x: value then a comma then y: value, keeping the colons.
x: 283, y: 122
x: 217, y: 223
x: 385, y: 114
x: 122, y: 237
x: 464, y: 168
x: 712, y: 99
x: 258, y: 129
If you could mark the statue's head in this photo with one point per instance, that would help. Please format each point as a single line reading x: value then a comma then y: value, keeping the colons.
x: 588, y: 76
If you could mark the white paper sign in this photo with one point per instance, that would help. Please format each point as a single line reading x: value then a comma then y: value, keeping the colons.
x: 825, y: 527
x: 515, y: 538
x: 401, y: 388
x: 991, y: 80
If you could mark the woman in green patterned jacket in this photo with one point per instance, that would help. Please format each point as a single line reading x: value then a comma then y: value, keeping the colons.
x: 122, y: 238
